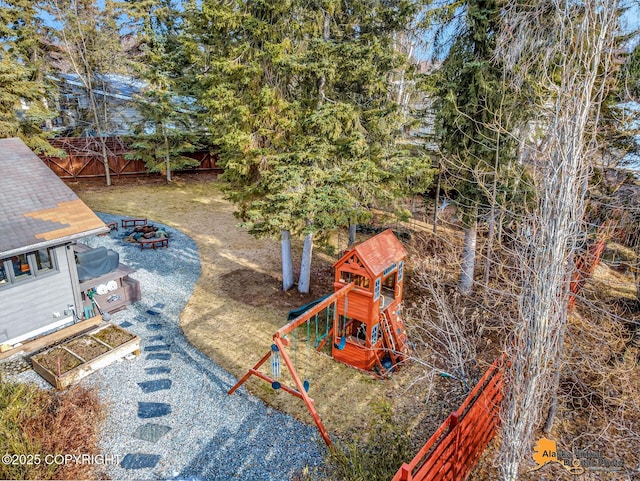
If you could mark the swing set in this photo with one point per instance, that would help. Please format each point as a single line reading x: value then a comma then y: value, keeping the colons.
x: 362, y: 319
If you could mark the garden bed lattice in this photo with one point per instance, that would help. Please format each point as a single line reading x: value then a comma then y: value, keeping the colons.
x: 84, y: 354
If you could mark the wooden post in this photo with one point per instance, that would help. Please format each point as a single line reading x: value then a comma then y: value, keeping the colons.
x: 249, y: 373
x: 454, y: 430
x: 405, y: 473
x: 305, y: 397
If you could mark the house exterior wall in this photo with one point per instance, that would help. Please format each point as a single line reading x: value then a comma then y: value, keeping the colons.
x: 74, y: 113
x: 27, y: 308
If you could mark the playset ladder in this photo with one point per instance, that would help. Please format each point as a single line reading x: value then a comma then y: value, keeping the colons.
x: 391, y: 337
x: 388, y: 338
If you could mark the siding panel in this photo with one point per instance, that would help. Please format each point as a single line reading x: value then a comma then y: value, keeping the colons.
x: 357, y: 306
x: 28, y: 306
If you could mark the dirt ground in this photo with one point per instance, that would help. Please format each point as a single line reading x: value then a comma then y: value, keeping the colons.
x: 50, y: 360
x: 238, y: 303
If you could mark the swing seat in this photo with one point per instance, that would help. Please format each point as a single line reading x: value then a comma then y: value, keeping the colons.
x: 343, y: 342
x: 305, y: 385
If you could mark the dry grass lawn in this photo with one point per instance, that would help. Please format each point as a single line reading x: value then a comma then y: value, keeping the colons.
x: 237, y: 304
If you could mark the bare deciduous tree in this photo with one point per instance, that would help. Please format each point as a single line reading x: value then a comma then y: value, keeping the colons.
x: 565, y: 47
x: 90, y: 39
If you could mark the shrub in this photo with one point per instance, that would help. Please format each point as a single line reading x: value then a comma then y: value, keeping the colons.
x: 375, y: 456
x: 38, y: 422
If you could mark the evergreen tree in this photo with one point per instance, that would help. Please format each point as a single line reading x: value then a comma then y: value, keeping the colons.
x: 168, y: 130
x: 473, y: 108
x: 298, y: 98
x: 25, y: 92
x: 631, y: 74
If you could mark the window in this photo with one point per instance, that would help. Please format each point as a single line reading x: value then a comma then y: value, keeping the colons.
x: 400, y: 269
x: 358, y: 280
x: 22, y: 267
x: 389, y: 284
x: 43, y: 259
x: 376, y: 290
x: 354, y: 330
x: 374, y: 334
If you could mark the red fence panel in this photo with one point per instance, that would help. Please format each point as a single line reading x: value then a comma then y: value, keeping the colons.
x: 84, y: 159
x: 453, y: 450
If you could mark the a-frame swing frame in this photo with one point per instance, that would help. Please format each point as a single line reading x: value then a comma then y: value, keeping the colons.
x: 280, y: 342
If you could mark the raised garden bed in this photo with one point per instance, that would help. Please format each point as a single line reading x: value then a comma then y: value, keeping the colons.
x: 78, y: 357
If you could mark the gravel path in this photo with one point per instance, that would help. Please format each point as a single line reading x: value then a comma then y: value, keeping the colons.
x: 169, y: 413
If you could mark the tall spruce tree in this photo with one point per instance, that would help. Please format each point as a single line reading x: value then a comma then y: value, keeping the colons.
x: 298, y: 98
x: 168, y: 130
x: 25, y: 92
x: 473, y: 108
x: 632, y: 74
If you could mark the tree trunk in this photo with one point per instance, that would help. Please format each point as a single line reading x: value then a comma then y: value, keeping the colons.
x: 494, y: 193
x: 536, y: 347
x: 305, y: 265
x: 352, y: 233
x: 105, y: 159
x: 326, y: 35
x: 435, y: 205
x: 103, y: 140
x: 490, y: 237
x: 492, y: 215
x: 287, y: 262
x: 167, y: 159
x: 468, y: 258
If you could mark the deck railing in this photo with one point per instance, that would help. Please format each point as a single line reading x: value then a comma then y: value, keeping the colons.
x: 453, y: 450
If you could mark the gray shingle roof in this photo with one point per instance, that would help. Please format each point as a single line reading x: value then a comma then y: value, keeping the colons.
x: 36, y: 207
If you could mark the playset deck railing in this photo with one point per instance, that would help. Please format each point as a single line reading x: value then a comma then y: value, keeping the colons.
x: 453, y: 450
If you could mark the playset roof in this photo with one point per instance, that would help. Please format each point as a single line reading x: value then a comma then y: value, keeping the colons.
x: 378, y: 252
x: 38, y: 209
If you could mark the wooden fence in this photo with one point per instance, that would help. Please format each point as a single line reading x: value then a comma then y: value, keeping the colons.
x: 84, y: 159
x: 456, y: 446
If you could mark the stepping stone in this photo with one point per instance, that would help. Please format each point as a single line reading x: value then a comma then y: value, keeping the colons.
x: 140, y: 461
x: 156, y: 338
x: 158, y: 347
x: 153, y: 410
x: 141, y: 318
x: 159, y: 306
x: 153, y: 313
x: 157, y: 370
x: 154, y: 327
x: 156, y: 385
x: 150, y: 432
x: 159, y: 356
x: 126, y: 324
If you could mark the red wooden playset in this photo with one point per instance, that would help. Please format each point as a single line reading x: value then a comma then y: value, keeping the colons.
x: 362, y: 319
